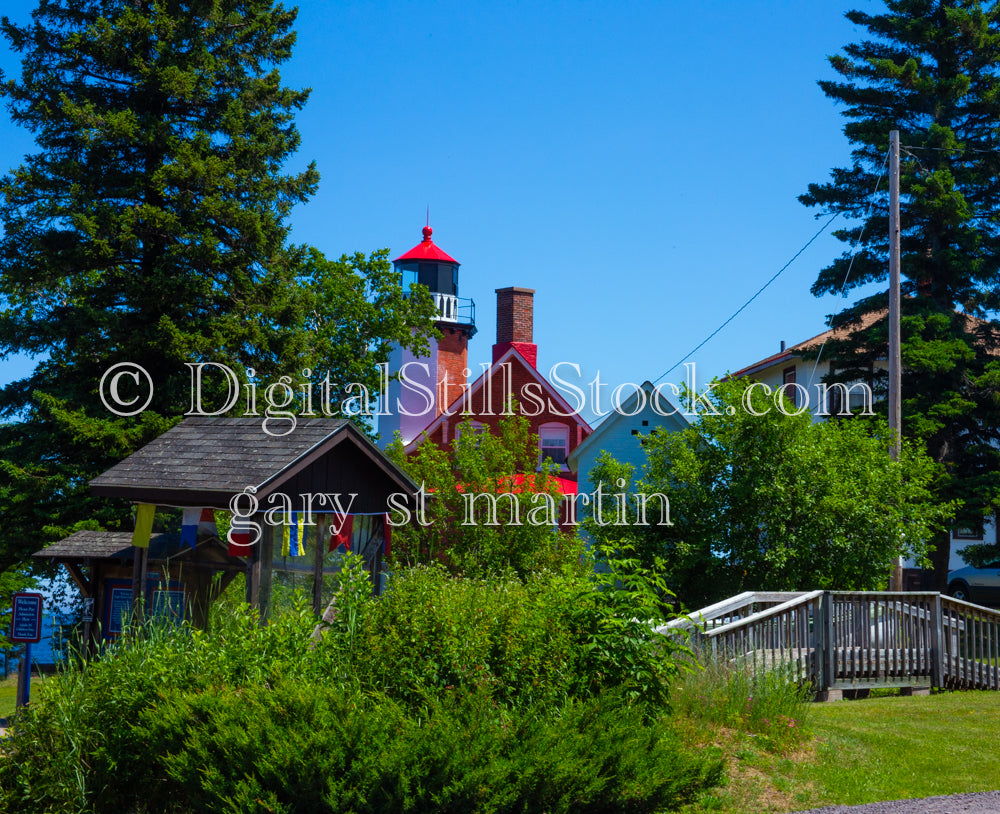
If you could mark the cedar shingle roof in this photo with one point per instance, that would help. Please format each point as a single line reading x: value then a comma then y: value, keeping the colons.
x: 217, y: 454
x: 94, y: 544
x: 110, y: 545
x: 100, y: 545
x: 203, y: 461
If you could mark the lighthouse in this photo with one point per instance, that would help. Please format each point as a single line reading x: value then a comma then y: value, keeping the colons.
x: 413, y: 403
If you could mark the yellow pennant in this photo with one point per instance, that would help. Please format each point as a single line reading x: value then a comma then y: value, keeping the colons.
x: 143, y: 525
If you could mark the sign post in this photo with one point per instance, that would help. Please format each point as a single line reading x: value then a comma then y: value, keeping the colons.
x: 88, y: 619
x: 26, y: 626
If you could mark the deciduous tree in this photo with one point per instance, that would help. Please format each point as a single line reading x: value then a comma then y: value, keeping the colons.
x: 490, y: 507
x: 774, y: 501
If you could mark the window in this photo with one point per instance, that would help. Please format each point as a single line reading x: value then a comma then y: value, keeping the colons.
x: 788, y: 377
x: 477, y: 428
x: 857, y: 389
x: 968, y: 533
x: 409, y: 272
x: 553, y: 442
x: 438, y: 277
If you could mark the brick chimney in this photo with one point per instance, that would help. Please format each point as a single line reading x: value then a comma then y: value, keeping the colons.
x: 515, y: 323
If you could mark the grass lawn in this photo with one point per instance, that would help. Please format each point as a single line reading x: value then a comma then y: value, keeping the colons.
x: 8, y: 692
x: 8, y: 695
x: 866, y: 751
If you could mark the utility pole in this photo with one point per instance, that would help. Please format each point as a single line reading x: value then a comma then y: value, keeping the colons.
x: 895, y: 356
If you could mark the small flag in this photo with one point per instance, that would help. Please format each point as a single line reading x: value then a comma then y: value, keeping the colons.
x: 206, y: 524
x: 239, y: 543
x: 143, y: 525
x: 343, y: 537
x: 386, y: 535
x: 197, y: 522
x: 189, y: 526
x: 293, y: 535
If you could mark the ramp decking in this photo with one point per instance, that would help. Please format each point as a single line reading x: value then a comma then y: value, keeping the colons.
x: 851, y: 640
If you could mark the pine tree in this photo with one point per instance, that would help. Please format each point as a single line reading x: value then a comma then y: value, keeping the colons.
x: 932, y: 71
x: 151, y: 227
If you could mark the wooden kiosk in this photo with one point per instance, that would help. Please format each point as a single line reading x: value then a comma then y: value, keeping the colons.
x: 204, y: 462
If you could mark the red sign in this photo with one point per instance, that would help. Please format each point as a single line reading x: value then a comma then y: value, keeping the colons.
x: 26, y: 619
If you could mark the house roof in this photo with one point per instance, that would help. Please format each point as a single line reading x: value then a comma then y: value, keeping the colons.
x: 866, y: 321
x: 622, y: 414
x: 96, y: 545
x: 793, y: 350
x: 203, y: 461
x: 109, y: 545
x: 511, y: 355
x: 427, y: 250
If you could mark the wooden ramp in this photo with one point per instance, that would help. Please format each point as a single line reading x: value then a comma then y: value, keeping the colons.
x: 856, y: 640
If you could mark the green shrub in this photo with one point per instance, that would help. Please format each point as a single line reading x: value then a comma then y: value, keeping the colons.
x: 313, y: 748
x: 444, y: 694
x: 541, y: 639
x: 432, y: 632
x: 76, y: 740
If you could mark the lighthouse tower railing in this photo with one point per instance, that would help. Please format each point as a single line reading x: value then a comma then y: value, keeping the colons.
x: 453, y: 309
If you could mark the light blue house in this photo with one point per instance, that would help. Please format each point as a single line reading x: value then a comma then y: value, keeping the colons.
x: 644, y: 411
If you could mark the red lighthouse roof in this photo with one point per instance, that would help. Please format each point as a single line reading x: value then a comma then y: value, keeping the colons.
x: 426, y: 250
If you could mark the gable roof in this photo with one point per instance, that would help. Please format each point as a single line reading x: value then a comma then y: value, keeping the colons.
x: 512, y: 354
x: 117, y: 545
x: 98, y: 545
x: 790, y: 352
x: 866, y: 321
x: 203, y: 461
x: 624, y: 414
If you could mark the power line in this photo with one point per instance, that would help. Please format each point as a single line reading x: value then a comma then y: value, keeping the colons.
x: 951, y: 149
x: 743, y: 307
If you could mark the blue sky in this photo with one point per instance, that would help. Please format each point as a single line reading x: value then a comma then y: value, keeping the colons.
x: 635, y: 163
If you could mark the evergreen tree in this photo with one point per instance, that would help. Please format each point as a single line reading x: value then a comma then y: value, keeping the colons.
x: 150, y: 227
x: 932, y: 71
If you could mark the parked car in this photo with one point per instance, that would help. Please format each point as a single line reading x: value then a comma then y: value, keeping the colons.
x: 979, y: 585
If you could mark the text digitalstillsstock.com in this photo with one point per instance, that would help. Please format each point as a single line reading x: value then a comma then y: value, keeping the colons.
x: 282, y: 402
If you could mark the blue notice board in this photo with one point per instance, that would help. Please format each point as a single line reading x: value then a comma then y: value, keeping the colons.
x: 168, y: 604
x: 164, y: 600
x: 26, y: 621
x: 119, y: 600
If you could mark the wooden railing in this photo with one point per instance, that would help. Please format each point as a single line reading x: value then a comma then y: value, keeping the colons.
x: 844, y: 640
x: 970, y: 646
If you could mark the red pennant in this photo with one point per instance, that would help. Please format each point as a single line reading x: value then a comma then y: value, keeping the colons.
x: 343, y: 537
x: 239, y: 544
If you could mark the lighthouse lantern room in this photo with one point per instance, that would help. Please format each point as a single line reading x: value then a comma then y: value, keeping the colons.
x: 444, y: 370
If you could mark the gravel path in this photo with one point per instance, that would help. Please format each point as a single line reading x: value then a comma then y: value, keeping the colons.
x: 987, y: 802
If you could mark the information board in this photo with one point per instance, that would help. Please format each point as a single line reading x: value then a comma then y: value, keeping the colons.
x: 26, y: 621
x: 120, y: 609
x: 169, y: 605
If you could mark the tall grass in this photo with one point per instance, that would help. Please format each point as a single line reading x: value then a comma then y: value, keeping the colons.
x: 771, y: 704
